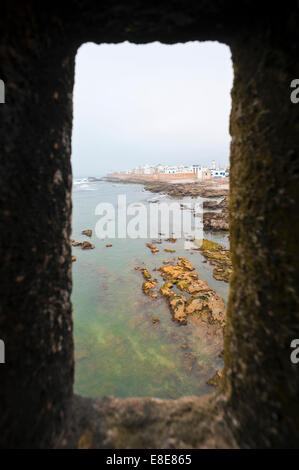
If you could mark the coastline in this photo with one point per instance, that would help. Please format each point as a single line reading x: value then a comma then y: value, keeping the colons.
x: 177, y: 188
x: 216, y: 216
x: 178, y: 322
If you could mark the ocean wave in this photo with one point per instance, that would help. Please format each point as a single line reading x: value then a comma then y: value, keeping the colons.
x: 83, y: 184
x: 157, y: 198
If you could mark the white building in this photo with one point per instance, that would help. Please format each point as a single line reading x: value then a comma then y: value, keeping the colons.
x: 201, y: 172
x: 171, y: 170
x: 178, y: 169
x: 186, y: 169
x: 159, y: 168
x: 219, y: 173
x: 148, y: 170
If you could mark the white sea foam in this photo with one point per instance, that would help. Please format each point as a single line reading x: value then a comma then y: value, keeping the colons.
x: 157, y: 198
x: 83, y: 184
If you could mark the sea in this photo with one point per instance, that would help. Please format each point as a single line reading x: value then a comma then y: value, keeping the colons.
x: 118, y: 349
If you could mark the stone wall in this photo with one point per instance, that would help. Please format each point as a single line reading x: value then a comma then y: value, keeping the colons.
x: 258, y: 405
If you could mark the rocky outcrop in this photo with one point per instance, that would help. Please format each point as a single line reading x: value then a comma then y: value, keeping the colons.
x: 171, y: 240
x: 84, y: 245
x: 88, y: 233
x: 215, y: 205
x: 144, y: 272
x: 149, y: 285
x: 74, y: 243
x: 202, y: 301
x: 216, y: 379
x: 211, y: 205
x: 215, y: 221
x: 87, y: 246
x: 153, y: 248
x: 204, y: 189
x: 219, y: 257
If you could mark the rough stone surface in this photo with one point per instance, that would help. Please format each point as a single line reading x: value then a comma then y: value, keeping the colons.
x: 261, y: 386
x: 263, y: 305
x: 149, y: 423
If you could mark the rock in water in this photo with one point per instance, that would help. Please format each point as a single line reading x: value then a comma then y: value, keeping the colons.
x: 204, y: 302
x: 152, y: 247
x: 87, y: 246
x: 219, y: 257
x: 215, y: 381
x: 88, y: 233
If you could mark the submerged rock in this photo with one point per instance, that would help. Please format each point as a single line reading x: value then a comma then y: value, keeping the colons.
x: 205, y: 189
x: 84, y: 245
x: 215, y: 205
x: 152, y: 247
x: 88, y: 233
x: 144, y: 271
x: 189, y: 361
x: 215, y: 221
x: 216, y: 379
x: 87, y: 246
x: 185, y: 264
x: 211, y: 205
x: 148, y: 286
x: 177, y: 304
x: 165, y: 289
x: 204, y: 302
x: 155, y: 320
x: 218, y: 256
x: 74, y: 243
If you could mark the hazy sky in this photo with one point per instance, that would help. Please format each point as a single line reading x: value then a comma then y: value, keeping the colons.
x: 154, y: 103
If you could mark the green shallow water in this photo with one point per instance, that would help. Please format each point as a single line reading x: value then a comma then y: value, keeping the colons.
x: 118, y: 350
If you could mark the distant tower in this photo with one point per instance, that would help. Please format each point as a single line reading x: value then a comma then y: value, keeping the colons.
x: 213, y: 166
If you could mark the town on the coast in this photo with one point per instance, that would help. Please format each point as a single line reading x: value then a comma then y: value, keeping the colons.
x: 156, y: 172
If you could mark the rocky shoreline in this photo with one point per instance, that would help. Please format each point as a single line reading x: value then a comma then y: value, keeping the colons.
x: 189, y: 298
x: 219, y: 257
x: 187, y: 295
x: 217, y: 221
x: 178, y: 190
